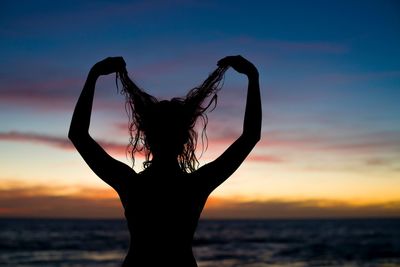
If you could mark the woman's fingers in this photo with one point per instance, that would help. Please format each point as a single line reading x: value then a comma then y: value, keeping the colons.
x: 238, y: 63
x: 226, y: 61
x: 110, y: 65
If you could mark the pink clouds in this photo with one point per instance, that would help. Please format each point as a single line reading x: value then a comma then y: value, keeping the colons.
x: 50, y: 93
x: 42, y: 95
x: 114, y: 148
x: 327, y: 141
x: 272, y: 148
x: 356, y: 148
x: 36, y: 138
x: 265, y: 158
x: 57, y: 142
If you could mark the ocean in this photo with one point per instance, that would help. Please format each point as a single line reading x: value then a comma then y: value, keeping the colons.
x: 222, y: 243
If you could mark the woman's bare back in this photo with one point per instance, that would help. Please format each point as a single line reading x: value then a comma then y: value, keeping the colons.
x: 162, y: 210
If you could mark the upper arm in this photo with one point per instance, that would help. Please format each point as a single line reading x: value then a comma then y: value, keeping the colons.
x: 110, y: 170
x: 216, y: 172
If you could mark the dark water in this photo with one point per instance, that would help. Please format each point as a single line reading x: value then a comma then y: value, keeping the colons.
x: 276, y: 243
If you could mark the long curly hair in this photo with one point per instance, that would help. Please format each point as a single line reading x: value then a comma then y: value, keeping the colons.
x: 169, y: 125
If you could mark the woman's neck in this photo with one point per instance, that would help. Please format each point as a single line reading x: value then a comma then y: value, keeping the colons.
x: 165, y: 163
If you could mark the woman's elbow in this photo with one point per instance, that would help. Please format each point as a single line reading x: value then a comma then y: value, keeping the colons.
x: 252, y: 137
x: 256, y: 138
x: 75, y: 135
x: 72, y: 134
x: 73, y: 138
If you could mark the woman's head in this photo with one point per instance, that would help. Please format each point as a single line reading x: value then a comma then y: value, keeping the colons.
x: 166, y: 129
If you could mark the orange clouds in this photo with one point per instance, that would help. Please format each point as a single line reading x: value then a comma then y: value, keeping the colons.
x: 314, y: 208
x: 58, y: 202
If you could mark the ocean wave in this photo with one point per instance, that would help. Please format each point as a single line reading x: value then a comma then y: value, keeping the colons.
x: 276, y: 243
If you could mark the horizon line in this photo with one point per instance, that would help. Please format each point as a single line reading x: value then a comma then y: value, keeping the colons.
x: 215, y: 219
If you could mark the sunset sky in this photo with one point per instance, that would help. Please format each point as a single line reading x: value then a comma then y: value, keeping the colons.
x: 330, y: 84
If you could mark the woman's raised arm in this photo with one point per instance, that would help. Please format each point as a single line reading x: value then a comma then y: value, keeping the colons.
x: 217, y: 171
x: 112, y: 171
x: 253, y: 112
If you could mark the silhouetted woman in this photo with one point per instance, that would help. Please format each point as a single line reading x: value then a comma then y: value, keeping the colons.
x: 163, y: 203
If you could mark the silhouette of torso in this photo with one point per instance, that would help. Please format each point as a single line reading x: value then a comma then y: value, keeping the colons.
x: 163, y: 203
x: 162, y: 209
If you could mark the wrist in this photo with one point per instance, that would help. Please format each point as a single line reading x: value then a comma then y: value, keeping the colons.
x: 93, y: 74
x: 253, y: 74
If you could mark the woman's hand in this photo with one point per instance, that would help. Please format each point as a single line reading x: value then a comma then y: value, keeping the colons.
x: 240, y: 64
x: 109, y: 65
